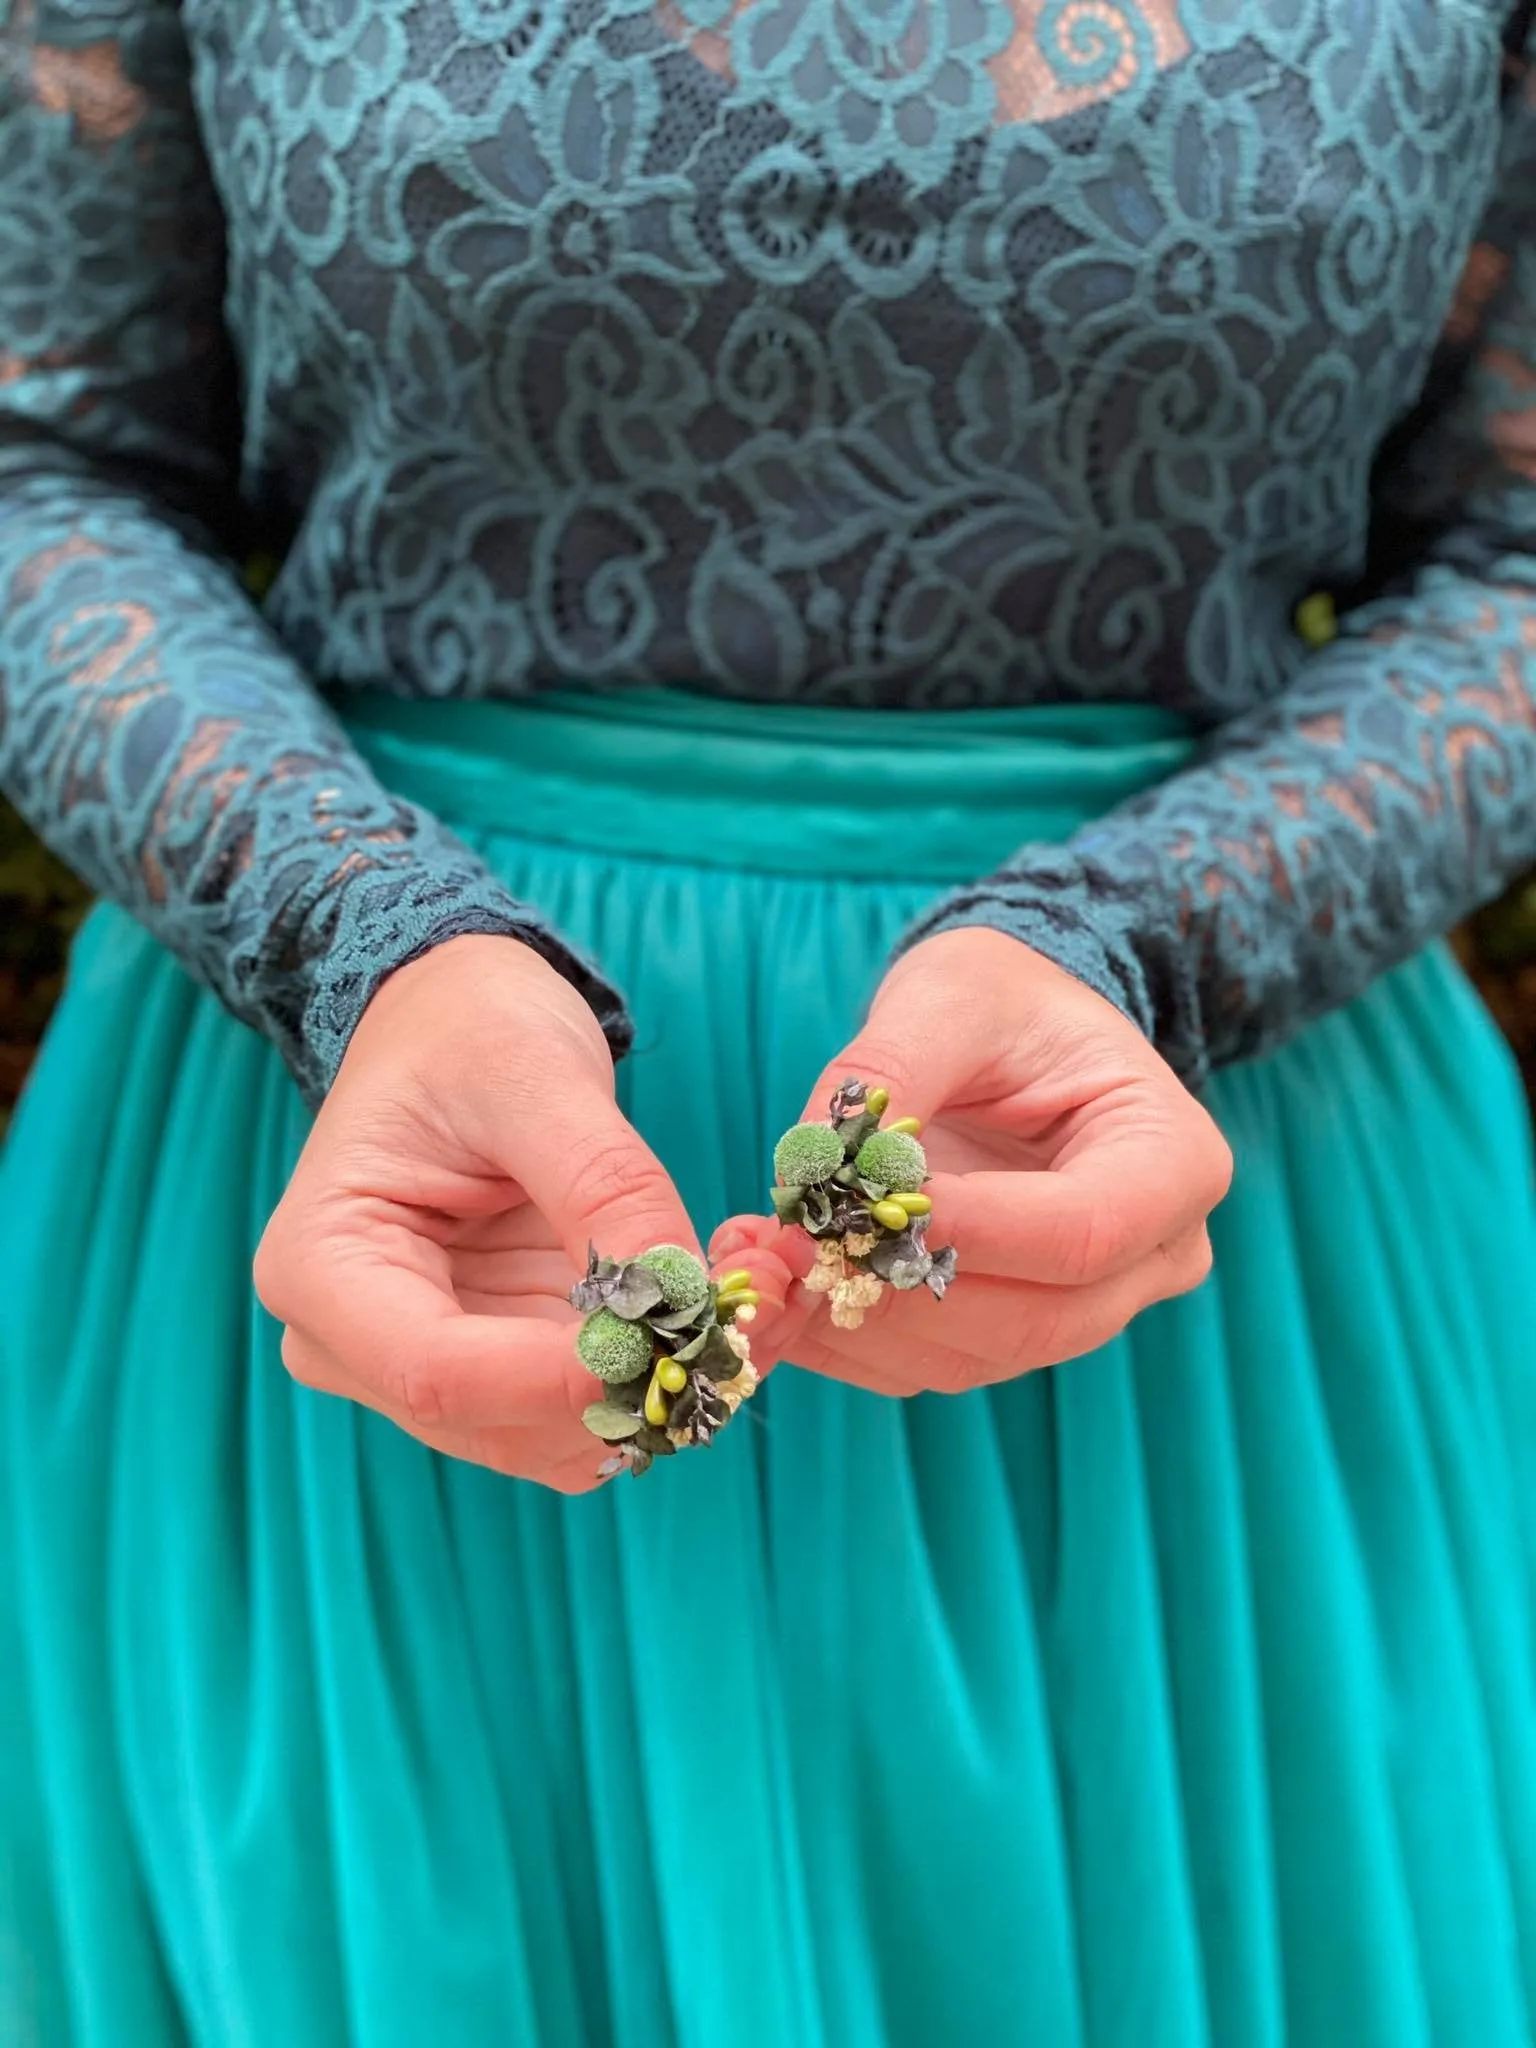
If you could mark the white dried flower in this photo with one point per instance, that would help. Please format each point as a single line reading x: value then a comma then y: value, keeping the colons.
x: 828, y: 1269
x: 852, y: 1296
x: 738, y: 1340
x: 858, y: 1247
x: 742, y: 1388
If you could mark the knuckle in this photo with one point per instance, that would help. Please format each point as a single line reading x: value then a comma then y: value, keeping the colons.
x: 271, y: 1273
x: 418, y: 1397
x: 949, y: 1372
x: 1021, y: 1345
x: 572, y: 1480
x: 1219, y: 1170
x: 1198, y: 1261
x: 610, y: 1173
x: 299, y: 1360
x: 1212, y: 1163
x: 1089, y: 1246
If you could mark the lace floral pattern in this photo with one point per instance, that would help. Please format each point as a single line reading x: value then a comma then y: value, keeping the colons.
x: 889, y: 354
x: 1392, y: 786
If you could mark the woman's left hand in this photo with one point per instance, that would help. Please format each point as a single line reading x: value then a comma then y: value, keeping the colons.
x: 1072, y: 1170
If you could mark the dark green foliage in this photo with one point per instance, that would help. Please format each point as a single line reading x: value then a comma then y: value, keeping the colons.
x: 41, y: 904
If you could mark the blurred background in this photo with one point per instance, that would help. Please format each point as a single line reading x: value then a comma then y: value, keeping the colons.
x: 41, y: 903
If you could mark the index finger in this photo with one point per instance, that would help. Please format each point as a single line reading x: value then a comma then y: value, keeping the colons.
x: 1088, y: 1218
x: 436, y: 1366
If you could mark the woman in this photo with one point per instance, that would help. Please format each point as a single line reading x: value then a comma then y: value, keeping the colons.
x: 767, y: 493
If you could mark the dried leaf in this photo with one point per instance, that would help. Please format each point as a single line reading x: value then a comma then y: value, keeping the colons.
x: 612, y: 1424
x: 682, y: 1318
x: 713, y: 1355
x: 903, y: 1260
x: 849, y: 1100
x: 856, y: 1130
x: 629, y: 1395
x: 941, y: 1273
x: 634, y: 1293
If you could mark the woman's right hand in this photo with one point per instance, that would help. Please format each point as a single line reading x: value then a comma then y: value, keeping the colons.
x: 469, y: 1151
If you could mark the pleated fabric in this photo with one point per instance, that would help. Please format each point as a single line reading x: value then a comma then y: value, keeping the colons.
x: 1183, y: 1695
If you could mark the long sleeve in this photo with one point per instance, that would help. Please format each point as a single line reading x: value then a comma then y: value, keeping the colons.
x: 152, y: 728
x: 1324, y: 837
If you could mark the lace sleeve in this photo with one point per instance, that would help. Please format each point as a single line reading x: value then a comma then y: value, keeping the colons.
x: 151, y: 727
x: 1330, y: 834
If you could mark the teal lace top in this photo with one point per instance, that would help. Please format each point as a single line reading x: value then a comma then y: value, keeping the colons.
x: 887, y: 352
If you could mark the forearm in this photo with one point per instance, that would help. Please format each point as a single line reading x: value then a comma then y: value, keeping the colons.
x: 158, y: 736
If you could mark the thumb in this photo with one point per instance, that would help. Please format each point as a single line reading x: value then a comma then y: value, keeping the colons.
x: 592, y: 1176
x: 918, y: 1043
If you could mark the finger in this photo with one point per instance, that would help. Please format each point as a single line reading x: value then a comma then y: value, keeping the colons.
x: 398, y: 1339
x: 928, y: 1041
x: 742, y: 1234
x: 532, y: 1455
x: 1105, y: 1206
x: 517, y: 1275
x: 591, y: 1173
x: 910, y: 1341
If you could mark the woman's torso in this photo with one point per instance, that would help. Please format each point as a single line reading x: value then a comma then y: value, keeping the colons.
x: 902, y: 353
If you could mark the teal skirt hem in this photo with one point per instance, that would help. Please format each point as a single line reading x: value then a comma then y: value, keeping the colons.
x: 1184, y: 1695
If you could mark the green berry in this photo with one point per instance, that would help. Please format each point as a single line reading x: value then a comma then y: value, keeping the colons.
x: 613, y: 1349
x: 807, y: 1154
x: 684, y: 1282
x: 894, y: 1160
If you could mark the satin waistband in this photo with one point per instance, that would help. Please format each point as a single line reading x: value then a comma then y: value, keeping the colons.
x: 794, y: 789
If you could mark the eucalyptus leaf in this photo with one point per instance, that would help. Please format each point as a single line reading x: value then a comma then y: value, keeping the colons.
x: 634, y: 1293
x: 710, y: 1400
x: 628, y: 1396
x: 876, y: 1190
x: 818, y: 1209
x: 588, y: 1295
x: 849, y: 1099
x: 904, y: 1260
x: 612, y: 1424
x: 845, y: 1176
x: 682, y: 1318
x: 714, y: 1356
x: 656, y: 1442
x: 693, y: 1347
x: 786, y: 1203
x: 855, y: 1130
x: 942, y: 1272
x: 906, y: 1274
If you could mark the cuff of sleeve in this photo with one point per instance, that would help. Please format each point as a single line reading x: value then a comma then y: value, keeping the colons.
x: 382, y: 918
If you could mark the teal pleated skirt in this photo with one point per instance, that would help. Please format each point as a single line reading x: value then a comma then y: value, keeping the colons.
x: 1183, y: 1695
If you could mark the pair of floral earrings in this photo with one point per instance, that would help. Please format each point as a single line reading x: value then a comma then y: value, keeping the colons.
x: 670, y: 1345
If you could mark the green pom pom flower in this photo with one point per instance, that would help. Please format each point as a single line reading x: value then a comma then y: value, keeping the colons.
x: 807, y: 1154
x: 684, y: 1282
x: 613, y: 1349
x: 895, y: 1160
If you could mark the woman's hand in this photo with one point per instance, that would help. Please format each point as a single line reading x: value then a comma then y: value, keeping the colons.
x: 1072, y: 1171
x: 468, y: 1151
